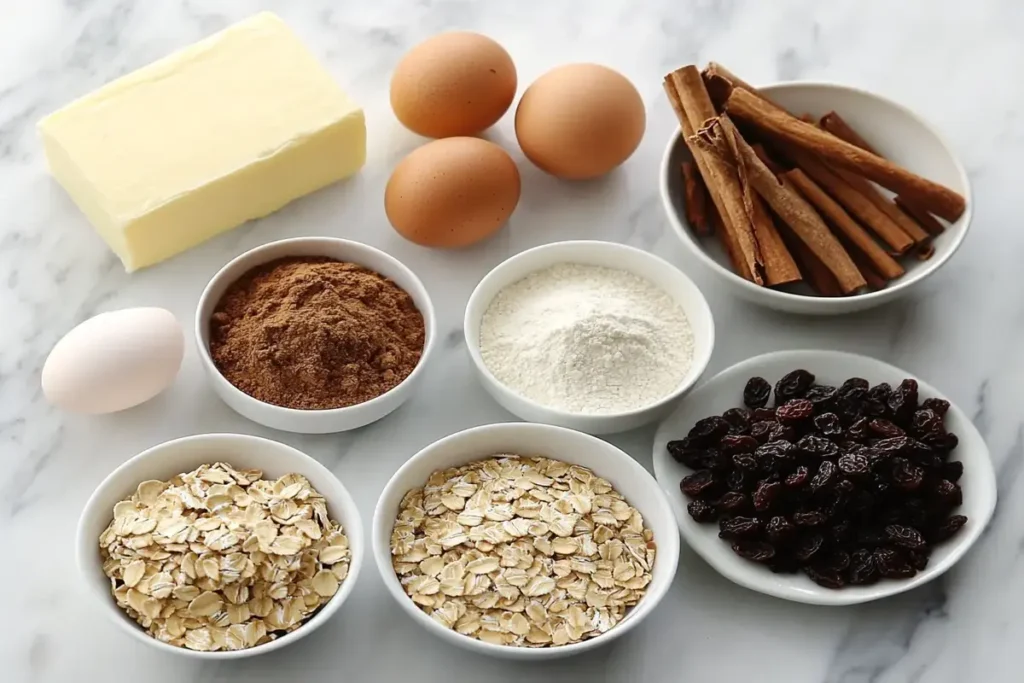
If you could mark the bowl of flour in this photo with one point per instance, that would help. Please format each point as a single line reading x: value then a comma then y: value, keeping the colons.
x: 593, y: 336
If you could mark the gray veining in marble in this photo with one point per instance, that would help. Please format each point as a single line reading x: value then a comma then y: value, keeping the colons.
x: 958, y: 63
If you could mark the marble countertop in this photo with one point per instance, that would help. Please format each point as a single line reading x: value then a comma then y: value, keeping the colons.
x: 949, y: 60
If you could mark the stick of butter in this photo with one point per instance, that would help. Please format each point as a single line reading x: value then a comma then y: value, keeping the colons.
x: 221, y: 132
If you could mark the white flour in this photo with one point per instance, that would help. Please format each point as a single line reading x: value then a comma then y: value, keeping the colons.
x: 587, y: 339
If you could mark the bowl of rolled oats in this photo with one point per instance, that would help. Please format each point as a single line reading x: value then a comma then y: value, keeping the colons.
x: 525, y: 541
x: 220, y: 546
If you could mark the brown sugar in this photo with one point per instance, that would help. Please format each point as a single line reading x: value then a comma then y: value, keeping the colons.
x: 315, y: 333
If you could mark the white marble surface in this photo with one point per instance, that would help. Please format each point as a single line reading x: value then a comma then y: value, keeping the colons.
x: 955, y: 62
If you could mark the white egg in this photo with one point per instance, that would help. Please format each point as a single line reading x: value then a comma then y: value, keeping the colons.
x: 114, y: 361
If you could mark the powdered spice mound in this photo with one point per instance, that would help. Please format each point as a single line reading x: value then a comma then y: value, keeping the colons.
x: 315, y: 333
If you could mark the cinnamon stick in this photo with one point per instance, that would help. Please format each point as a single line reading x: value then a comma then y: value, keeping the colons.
x: 762, y: 154
x: 885, y: 265
x: 779, y: 266
x: 875, y: 279
x: 721, y: 139
x: 930, y: 223
x: 768, y: 118
x: 726, y: 235
x: 853, y: 201
x: 834, y: 123
x: 720, y: 83
x: 696, y: 199
x: 814, y: 272
x: 697, y: 108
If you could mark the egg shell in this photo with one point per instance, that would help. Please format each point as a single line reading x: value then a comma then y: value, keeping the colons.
x: 452, y: 193
x: 580, y: 121
x: 114, y: 361
x: 457, y: 83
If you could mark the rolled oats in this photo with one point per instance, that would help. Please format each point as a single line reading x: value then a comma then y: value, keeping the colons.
x: 521, y: 551
x: 222, y: 559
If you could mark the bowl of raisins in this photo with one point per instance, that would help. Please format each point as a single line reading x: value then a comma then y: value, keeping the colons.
x: 824, y: 477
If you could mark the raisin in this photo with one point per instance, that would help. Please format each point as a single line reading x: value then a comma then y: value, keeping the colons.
x: 739, y: 420
x: 884, y: 429
x: 694, y: 458
x: 782, y: 433
x: 924, y: 422
x: 778, y: 453
x: 808, y: 546
x: 841, y: 533
x: 821, y: 396
x: 761, y: 430
x: 708, y: 431
x: 836, y: 561
x: 764, y: 415
x: 825, y: 577
x: 903, y: 400
x: 756, y: 392
x: 736, y: 481
x: 755, y: 551
x: 817, y: 446
x: 854, y: 384
x: 780, y: 529
x: 892, y: 564
x: 918, y: 560
x: 765, y: 495
x: 733, y: 443
x: 948, y: 493
x: 938, y: 406
x: 895, y: 446
x: 701, y: 511
x: 854, y: 465
x: 948, y: 528
x: 812, y: 518
x: 877, y: 399
x: 793, y: 385
x: 694, y: 485
x: 905, y: 475
x: 795, y: 411
x: 733, y: 502
x: 943, y: 442
x: 952, y: 471
x: 824, y: 477
x: 744, y: 462
x: 739, y: 527
x: 905, y: 536
x: 858, y: 431
x: 798, y: 478
x: 862, y: 568
x: 828, y: 424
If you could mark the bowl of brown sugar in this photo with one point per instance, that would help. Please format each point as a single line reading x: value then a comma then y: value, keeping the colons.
x: 314, y: 334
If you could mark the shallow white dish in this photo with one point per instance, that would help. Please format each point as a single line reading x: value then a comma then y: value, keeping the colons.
x: 628, y: 477
x: 611, y: 255
x: 170, y: 458
x: 895, y: 131
x: 313, y: 421
x: 725, y: 390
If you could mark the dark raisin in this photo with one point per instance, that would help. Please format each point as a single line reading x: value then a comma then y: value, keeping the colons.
x: 903, y: 400
x: 708, y: 431
x: 808, y: 546
x: 858, y: 431
x: 793, y: 385
x: 862, y: 568
x: 733, y: 443
x: 755, y: 551
x: 733, y: 502
x: 884, y: 429
x: 948, y: 493
x: 817, y: 446
x: 701, y: 511
x: 756, y: 392
x: 871, y: 538
x: 739, y: 420
x: 812, y: 518
x: 905, y: 475
x: 824, y: 477
x: 782, y: 433
x: 905, y: 536
x: 780, y: 529
x: 825, y: 577
x: 761, y: 430
x: 895, y: 446
x: 841, y: 533
x: 736, y: 480
x: 952, y: 471
x: 795, y: 411
x: 798, y: 478
x: 695, y: 484
x: 892, y: 564
x: 877, y: 399
x: 694, y: 458
x: 854, y: 465
x: 778, y: 453
x: 828, y: 424
x: 941, y: 441
x: 948, y: 528
x: 764, y: 415
x: 938, y: 406
x: 854, y: 384
x: 739, y: 527
x: 836, y: 561
x: 925, y: 422
x: 765, y: 494
x: 918, y: 560
x: 821, y: 396
x: 744, y: 462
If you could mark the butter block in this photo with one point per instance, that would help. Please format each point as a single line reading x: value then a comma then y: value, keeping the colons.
x: 221, y: 132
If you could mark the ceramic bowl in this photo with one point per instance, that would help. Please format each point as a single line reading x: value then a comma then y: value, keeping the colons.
x: 629, y: 478
x: 725, y: 391
x: 184, y: 455
x: 611, y: 255
x: 896, y: 132
x: 313, y: 421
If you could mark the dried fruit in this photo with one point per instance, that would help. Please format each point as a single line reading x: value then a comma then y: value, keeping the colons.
x: 731, y: 444
x: 798, y: 478
x: 938, y: 406
x: 733, y: 502
x: 905, y: 536
x: 828, y: 424
x: 755, y: 551
x: 739, y: 420
x: 765, y: 495
x: 761, y: 430
x: 779, y: 529
x: 739, y: 527
x: 825, y: 577
x: 821, y: 396
x: 793, y: 385
x: 756, y: 392
x: 708, y: 431
x: 884, y: 429
x: 797, y: 410
x: 695, y: 484
x: 824, y: 477
x: 702, y: 511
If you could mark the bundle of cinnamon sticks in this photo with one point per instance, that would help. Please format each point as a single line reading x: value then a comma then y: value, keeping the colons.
x: 793, y: 198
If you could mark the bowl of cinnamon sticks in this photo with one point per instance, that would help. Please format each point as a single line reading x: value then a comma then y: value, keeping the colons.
x: 812, y: 198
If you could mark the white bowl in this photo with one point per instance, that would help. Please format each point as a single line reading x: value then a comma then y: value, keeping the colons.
x: 611, y: 255
x: 629, y: 478
x: 725, y: 390
x: 896, y: 132
x: 313, y: 421
x: 170, y: 458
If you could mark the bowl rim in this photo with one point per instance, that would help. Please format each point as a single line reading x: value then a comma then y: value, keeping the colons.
x: 697, y: 368
x: 87, y: 561
x: 750, y: 575
x: 778, y: 296
x: 383, y: 521
x: 202, y: 339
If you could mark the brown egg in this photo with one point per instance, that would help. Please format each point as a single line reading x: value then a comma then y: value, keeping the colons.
x: 580, y: 121
x: 453, y: 84
x: 452, y: 192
